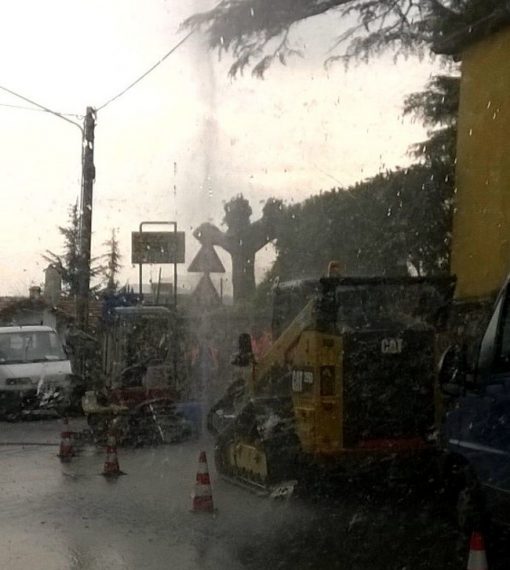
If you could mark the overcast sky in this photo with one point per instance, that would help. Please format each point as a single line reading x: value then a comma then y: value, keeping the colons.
x: 302, y: 130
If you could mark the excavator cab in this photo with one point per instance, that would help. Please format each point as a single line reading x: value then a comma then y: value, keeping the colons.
x: 364, y: 372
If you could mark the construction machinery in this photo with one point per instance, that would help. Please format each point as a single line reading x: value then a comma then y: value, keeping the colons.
x: 349, y: 382
x: 143, y: 378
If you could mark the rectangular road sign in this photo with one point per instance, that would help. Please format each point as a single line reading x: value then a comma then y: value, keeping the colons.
x: 157, y: 247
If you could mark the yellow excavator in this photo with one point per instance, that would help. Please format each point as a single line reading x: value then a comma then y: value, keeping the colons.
x: 348, y: 382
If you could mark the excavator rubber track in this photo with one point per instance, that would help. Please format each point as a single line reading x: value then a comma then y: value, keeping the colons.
x: 259, y: 449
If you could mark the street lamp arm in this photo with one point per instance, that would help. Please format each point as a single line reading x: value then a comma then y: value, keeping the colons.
x: 42, y: 107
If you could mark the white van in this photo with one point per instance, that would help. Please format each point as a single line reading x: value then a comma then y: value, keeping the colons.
x: 33, y: 367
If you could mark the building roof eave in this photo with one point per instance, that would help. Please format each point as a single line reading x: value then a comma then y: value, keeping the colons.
x: 454, y: 44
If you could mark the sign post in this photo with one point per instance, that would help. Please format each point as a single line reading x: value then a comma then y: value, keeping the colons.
x: 157, y: 248
x: 206, y: 261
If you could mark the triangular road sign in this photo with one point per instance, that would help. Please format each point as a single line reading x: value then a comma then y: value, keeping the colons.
x: 206, y: 261
x: 205, y: 293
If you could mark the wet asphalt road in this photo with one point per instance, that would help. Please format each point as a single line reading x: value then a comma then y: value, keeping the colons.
x: 67, y: 516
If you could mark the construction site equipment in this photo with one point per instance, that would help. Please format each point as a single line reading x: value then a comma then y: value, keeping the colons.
x: 477, y: 557
x: 348, y: 381
x: 202, y: 494
x: 111, y: 465
x: 144, y: 378
x: 66, y: 450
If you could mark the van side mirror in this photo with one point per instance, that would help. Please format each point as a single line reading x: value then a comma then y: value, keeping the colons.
x: 244, y: 356
x: 453, y: 371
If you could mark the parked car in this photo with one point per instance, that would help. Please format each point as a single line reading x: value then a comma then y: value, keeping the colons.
x: 34, y: 371
x: 476, y: 427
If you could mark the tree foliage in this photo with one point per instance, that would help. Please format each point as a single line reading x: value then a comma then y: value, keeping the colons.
x: 396, y: 221
x: 242, y: 240
x: 438, y: 104
x: 390, y: 224
x: 257, y: 32
x: 68, y: 262
x: 384, y: 225
x: 112, y: 265
x: 436, y: 107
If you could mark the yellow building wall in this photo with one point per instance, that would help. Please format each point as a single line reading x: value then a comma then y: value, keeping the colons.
x: 481, y: 221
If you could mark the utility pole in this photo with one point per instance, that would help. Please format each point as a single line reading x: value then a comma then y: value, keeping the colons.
x: 87, y: 184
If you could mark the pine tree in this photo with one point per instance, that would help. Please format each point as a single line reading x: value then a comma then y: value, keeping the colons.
x: 113, y: 264
x: 68, y: 263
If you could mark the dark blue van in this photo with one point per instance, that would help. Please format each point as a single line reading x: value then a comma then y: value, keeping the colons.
x: 476, y: 428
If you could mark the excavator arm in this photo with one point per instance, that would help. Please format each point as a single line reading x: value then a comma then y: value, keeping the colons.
x: 277, y: 355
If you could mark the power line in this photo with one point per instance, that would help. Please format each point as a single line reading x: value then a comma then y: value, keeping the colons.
x: 152, y: 68
x: 24, y: 108
x: 63, y: 117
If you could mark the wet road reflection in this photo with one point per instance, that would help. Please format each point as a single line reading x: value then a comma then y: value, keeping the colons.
x: 67, y: 516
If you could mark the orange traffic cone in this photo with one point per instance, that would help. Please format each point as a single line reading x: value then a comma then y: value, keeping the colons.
x: 66, y: 451
x: 477, y: 558
x: 202, y: 495
x: 111, y: 465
